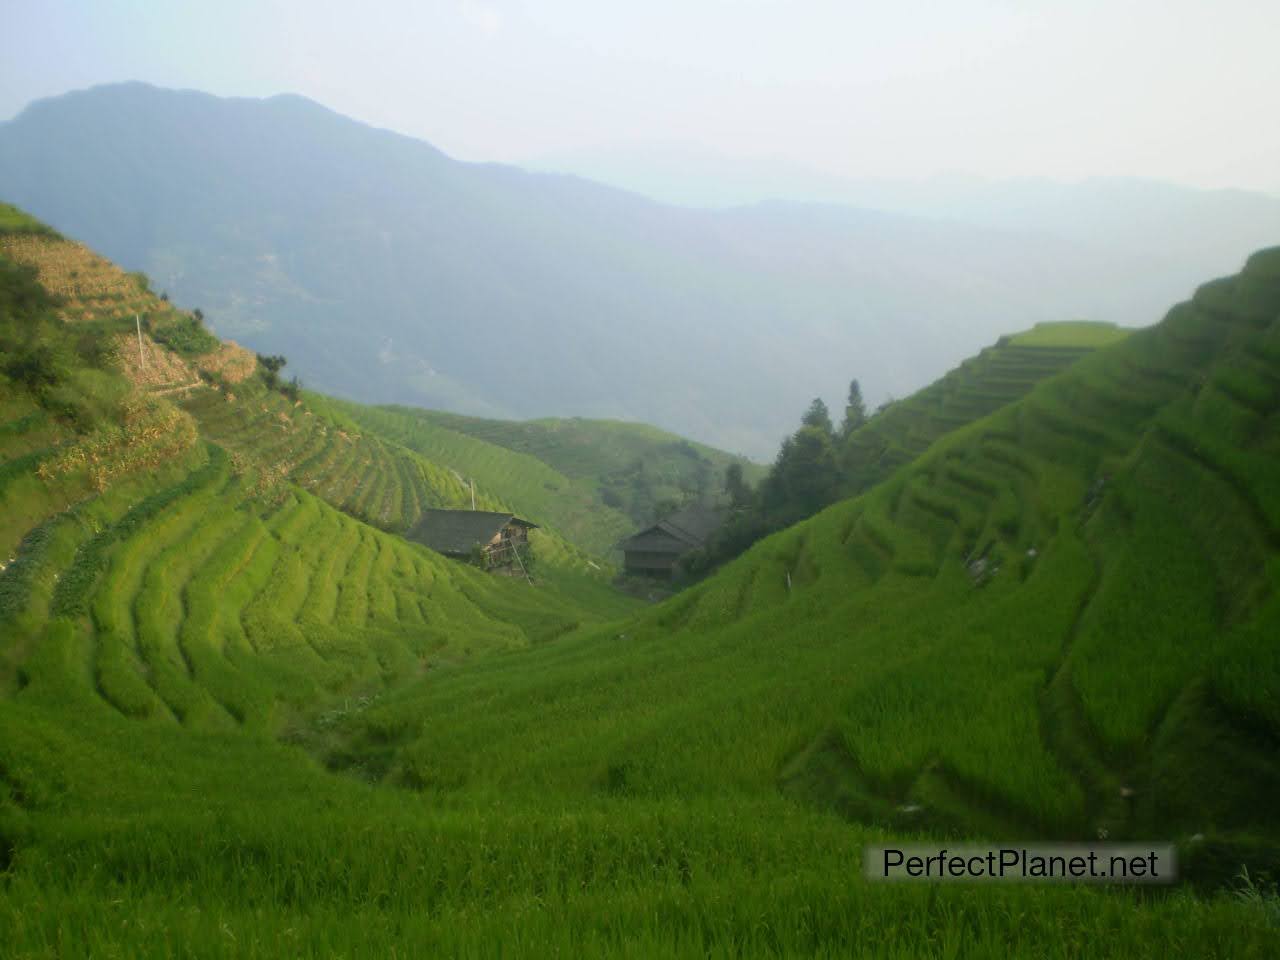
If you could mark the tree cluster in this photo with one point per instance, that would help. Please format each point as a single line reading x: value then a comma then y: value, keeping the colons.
x: 269, y: 367
x: 815, y: 466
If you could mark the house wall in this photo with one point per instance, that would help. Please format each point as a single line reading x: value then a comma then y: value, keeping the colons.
x: 649, y: 561
x: 511, y: 536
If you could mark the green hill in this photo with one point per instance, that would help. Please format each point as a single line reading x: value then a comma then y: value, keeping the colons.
x: 821, y: 463
x: 601, y: 451
x: 528, y: 484
x: 981, y: 385
x: 313, y: 443
x: 235, y: 721
x: 596, y: 480
x: 1058, y: 606
x: 166, y: 543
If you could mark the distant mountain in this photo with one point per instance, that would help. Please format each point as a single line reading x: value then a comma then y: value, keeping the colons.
x: 1210, y: 229
x: 388, y: 272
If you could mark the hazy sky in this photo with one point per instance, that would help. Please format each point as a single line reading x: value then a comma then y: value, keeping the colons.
x: 1173, y: 89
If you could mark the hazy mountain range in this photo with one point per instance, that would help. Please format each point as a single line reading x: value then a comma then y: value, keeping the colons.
x: 387, y: 271
x: 1126, y: 214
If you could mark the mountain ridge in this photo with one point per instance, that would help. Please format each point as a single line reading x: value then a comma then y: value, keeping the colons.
x: 389, y: 272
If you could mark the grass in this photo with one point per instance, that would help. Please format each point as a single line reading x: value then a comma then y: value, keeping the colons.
x: 982, y: 385
x: 521, y: 481
x: 374, y: 477
x: 238, y: 718
x: 614, y: 466
x: 1071, y: 334
x: 14, y: 221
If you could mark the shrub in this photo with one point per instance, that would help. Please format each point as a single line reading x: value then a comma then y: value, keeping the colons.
x: 38, y: 366
x: 186, y: 335
x: 270, y: 366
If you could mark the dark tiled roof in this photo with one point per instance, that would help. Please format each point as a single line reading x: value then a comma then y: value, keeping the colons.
x: 684, y: 530
x: 694, y: 523
x: 655, y: 540
x: 459, y: 531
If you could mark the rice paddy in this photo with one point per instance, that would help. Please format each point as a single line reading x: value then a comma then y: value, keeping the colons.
x: 240, y: 716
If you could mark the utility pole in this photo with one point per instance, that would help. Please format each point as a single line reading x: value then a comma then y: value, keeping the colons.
x: 142, y: 358
x: 473, y: 493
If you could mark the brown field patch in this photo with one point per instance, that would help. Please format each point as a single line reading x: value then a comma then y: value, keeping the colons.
x: 154, y: 367
x: 91, y: 286
x: 232, y: 362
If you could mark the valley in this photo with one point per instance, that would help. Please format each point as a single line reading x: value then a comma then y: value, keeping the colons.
x: 242, y: 715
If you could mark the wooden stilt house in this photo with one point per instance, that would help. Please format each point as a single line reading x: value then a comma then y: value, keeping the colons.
x: 655, y: 550
x: 498, y: 539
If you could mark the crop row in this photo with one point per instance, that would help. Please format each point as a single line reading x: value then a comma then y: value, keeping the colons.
x: 361, y: 475
x: 197, y: 602
x: 1115, y: 448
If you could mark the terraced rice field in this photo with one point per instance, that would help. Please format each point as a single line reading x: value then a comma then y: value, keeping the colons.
x: 601, y: 456
x: 527, y: 484
x: 184, y: 598
x: 1082, y: 582
x: 361, y: 473
x: 92, y: 287
x: 237, y: 721
x: 997, y: 376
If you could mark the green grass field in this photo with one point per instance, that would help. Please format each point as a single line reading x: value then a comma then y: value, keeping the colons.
x: 15, y: 221
x: 605, y: 459
x: 996, y: 377
x: 520, y: 481
x: 238, y: 718
x: 1070, y: 334
x: 318, y: 445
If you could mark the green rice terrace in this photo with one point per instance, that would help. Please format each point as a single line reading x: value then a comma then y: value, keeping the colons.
x: 526, y: 483
x: 316, y: 446
x: 997, y: 376
x: 241, y: 716
x: 606, y: 474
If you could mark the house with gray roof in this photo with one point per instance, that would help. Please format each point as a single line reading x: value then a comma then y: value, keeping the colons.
x: 655, y: 550
x: 458, y: 534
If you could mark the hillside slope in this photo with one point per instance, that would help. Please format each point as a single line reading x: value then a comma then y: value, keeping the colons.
x: 603, y: 478
x: 1057, y: 623
x: 979, y: 386
x: 388, y: 272
x: 312, y: 442
x: 235, y: 721
x: 173, y: 564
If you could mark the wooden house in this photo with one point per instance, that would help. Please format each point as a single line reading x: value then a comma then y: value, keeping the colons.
x: 655, y: 550
x: 460, y: 533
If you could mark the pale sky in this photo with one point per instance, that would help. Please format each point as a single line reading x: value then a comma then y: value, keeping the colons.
x: 1170, y: 89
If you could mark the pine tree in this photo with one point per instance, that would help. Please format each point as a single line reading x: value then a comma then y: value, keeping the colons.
x: 855, y: 410
x: 818, y: 416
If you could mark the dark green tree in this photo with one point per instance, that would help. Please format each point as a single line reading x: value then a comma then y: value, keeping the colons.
x: 818, y: 416
x: 735, y: 486
x: 855, y: 410
x: 804, y: 479
x: 271, y: 366
x: 665, y: 507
